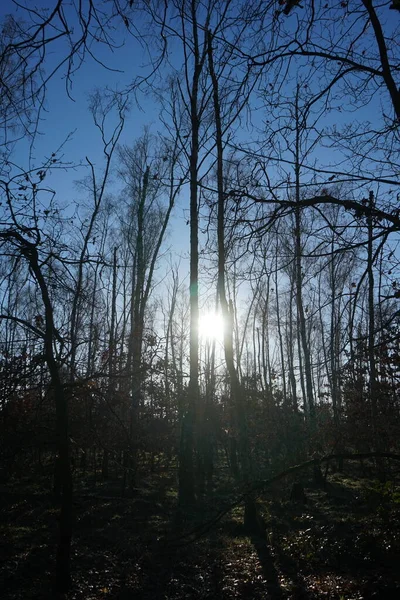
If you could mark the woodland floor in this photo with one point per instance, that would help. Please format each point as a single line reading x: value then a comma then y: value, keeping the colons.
x: 344, y: 544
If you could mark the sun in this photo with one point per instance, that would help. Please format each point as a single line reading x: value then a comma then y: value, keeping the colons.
x: 211, y: 326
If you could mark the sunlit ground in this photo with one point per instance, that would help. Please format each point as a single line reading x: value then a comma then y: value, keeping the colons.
x: 211, y: 326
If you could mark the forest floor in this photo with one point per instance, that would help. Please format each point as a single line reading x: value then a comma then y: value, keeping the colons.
x: 343, y: 544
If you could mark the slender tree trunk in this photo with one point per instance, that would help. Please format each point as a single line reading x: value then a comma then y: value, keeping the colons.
x: 335, y: 358
x: 309, y: 399
x: 279, y: 328
x: 137, y: 324
x: 63, y: 557
x: 291, y: 347
x: 112, y: 362
x: 238, y: 394
x: 186, y: 475
x: 265, y: 352
x: 373, y: 377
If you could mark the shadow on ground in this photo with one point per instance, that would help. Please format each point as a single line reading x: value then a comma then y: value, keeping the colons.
x: 131, y: 548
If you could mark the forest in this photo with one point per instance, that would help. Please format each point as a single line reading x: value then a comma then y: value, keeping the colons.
x: 199, y: 299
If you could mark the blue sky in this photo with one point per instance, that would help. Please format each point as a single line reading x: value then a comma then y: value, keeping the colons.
x: 62, y: 116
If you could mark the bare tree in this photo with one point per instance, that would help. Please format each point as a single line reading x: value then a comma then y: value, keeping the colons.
x: 148, y: 171
x: 23, y: 231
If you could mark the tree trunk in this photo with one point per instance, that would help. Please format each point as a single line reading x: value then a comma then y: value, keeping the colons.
x: 373, y: 377
x: 309, y: 399
x: 63, y: 557
x: 186, y: 479
x: 250, y: 520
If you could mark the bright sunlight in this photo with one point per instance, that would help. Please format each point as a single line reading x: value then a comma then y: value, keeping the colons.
x: 211, y: 326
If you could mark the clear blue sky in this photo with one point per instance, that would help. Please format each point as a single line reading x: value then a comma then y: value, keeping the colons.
x: 63, y: 116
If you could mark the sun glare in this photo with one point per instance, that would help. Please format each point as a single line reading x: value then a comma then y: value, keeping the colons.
x: 211, y: 326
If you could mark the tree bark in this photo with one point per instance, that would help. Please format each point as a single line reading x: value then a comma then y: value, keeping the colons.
x: 63, y: 556
x: 373, y: 377
x: 250, y: 513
